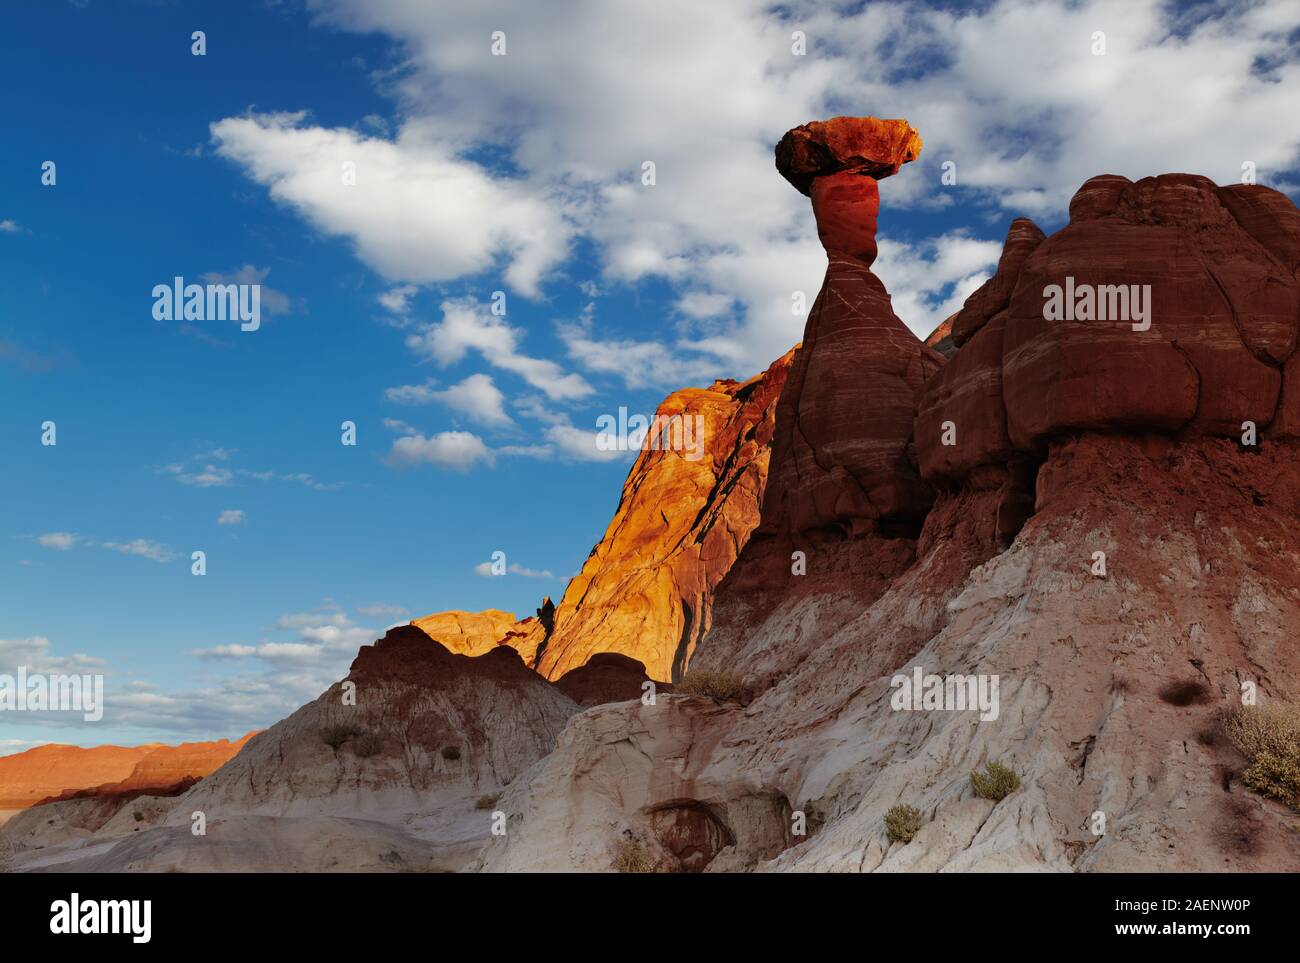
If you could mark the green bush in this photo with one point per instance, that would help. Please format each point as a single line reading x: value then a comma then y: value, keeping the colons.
x: 1269, y: 737
x: 996, y: 782
x: 719, y: 686
x: 902, y: 823
x: 632, y: 858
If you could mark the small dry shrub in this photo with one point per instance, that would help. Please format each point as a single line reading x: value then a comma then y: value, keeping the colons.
x: 632, y: 858
x: 487, y: 802
x: 996, y: 782
x: 367, y: 744
x: 451, y: 753
x: 719, y: 686
x: 1269, y: 737
x: 902, y: 823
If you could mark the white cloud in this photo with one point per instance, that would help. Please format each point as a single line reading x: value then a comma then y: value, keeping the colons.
x: 9, y: 226
x: 381, y: 611
x: 210, y: 476
x: 479, y: 399
x: 33, y: 652
x: 467, y: 325
x: 57, y: 540
x: 226, y: 652
x: 485, y: 569
x: 417, y: 213
x: 581, y: 444
x: 421, y: 394
x: 143, y: 548
x: 398, y: 299
x: 232, y: 516
x: 1011, y: 93
x: 271, y: 301
x: 457, y: 450
x: 930, y: 279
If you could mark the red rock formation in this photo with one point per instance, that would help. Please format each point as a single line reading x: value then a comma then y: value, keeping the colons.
x: 57, y: 771
x: 607, y: 677
x: 941, y: 337
x: 646, y: 590
x: 842, y: 480
x: 469, y: 633
x: 169, y: 766
x: 1224, y: 304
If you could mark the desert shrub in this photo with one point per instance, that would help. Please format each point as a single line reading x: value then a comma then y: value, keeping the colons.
x: 1269, y: 737
x: 367, y: 744
x: 902, y: 823
x: 631, y: 857
x: 139, y: 816
x: 720, y: 686
x: 487, y: 802
x: 451, y: 753
x: 996, y: 782
x: 335, y: 735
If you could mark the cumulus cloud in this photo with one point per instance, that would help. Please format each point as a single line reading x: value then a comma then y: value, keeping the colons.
x: 457, y: 450
x: 416, y: 212
x: 477, y: 397
x: 34, y: 653
x: 1012, y: 95
x: 398, y: 299
x: 232, y: 516
x: 468, y: 325
x: 57, y: 540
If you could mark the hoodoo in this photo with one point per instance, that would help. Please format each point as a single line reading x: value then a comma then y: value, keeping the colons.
x: 842, y: 482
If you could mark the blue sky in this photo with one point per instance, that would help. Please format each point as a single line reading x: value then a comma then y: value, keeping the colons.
x: 475, y: 174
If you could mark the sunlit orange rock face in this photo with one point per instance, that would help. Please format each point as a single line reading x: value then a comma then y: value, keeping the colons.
x: 468, y: 633
x: 46, y: 772
x: 646, y: 590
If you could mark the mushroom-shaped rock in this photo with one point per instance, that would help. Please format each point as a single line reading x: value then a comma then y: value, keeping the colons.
x: 859, y: 145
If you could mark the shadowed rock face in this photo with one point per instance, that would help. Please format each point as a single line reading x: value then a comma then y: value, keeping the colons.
x: 1217, y: 269
x: 842, y: 483
x: 844, y: 422
x: 607, y: 677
